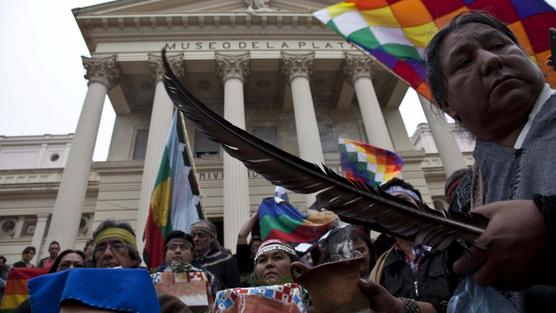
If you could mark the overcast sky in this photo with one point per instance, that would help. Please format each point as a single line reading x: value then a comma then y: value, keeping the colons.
x: 42, y: 86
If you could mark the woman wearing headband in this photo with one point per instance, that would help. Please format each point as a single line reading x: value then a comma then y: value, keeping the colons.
x: 273, y: 261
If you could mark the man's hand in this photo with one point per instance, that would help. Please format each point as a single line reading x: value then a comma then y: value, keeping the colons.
x: 380, y: 299
x: 513, y: 251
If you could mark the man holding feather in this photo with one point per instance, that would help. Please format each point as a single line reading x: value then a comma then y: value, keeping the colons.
x: 483, y: 79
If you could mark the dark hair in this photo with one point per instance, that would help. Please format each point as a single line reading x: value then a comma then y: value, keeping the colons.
x: 253, y: 240
x: 89, y: 242
x: 56, y: 263
x: 355, y: 236
x: 28, y: 249
x: 3, y: 258
x: 178, y: 234
x: 437, y: 80
x: 132, y: 250
x: 54, y: 243
x: 402, y: 183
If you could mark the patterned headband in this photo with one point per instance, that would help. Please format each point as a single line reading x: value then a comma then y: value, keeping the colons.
x: 272, y: 245
x: 116, y: 232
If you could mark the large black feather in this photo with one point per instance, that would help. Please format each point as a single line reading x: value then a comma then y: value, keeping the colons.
x: 353, y: 202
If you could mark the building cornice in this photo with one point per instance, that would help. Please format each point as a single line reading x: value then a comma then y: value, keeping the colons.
x: 279, y: 19
x: 227, y: 26
x: 35, y: 139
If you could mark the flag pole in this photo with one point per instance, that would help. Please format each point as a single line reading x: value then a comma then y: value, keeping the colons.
x: 192, y: 163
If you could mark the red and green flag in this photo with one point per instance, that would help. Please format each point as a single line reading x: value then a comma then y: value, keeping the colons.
x: 368, y: 164
x: 175, y: 202
x: 396, y: 32
x: 16, y: 290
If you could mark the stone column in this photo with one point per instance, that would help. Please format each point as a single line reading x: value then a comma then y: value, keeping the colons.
x: 297, y: 68
x: 234, y: 69
x: 396, y: 129
x: 101, y: 73
x: 161, y: 118
x: 445, y: 142
x: 38, y: 236
x: 358, y: 71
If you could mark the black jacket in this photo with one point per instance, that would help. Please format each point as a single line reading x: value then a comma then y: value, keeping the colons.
x: 434, y: 281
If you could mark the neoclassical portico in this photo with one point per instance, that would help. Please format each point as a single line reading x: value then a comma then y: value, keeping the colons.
x: 277, y: 73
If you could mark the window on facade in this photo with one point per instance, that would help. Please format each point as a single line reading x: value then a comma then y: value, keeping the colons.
x: 29, y: 225
x: 85, y: 224
x: 140, y: 146
x: 328, y: 138
x: 7, y: 227
x: 267, y: 133
x: 204, y: 147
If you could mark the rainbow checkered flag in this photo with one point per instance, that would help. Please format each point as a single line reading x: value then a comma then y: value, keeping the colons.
x: 368, y: 164
x: 396, y: 32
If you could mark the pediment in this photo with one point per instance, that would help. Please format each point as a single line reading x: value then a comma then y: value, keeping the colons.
x: 169, y: 7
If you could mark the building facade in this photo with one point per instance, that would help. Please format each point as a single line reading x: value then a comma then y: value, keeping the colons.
x: 267, y: 66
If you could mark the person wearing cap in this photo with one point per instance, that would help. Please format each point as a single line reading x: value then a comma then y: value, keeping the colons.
x: 211, y: 256
x: 273, y: 261
x: 417, y: 275
x: 115, y: 246
x: 178, y: 255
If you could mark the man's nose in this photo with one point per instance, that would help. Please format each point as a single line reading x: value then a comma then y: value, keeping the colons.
x: 108, y: 252
x: 489, y: 61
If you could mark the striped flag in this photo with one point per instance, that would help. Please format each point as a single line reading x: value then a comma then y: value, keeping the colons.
x: 16, y: 290
x: 175, y: 202
x: 366, y: 163
x: 278, y: 219
x: 396, y: 32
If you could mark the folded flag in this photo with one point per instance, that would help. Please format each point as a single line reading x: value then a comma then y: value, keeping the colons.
x: 278, y: 219
x: 113, y: 290
x: 366, y: 163
x: 175, y: 202
x: 396, y: 32
x: 16, y: 290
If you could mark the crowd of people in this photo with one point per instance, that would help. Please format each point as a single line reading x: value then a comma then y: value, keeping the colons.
x: 481, y: 77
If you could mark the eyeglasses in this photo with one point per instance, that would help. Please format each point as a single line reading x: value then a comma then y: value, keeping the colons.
x: 116, y: 246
